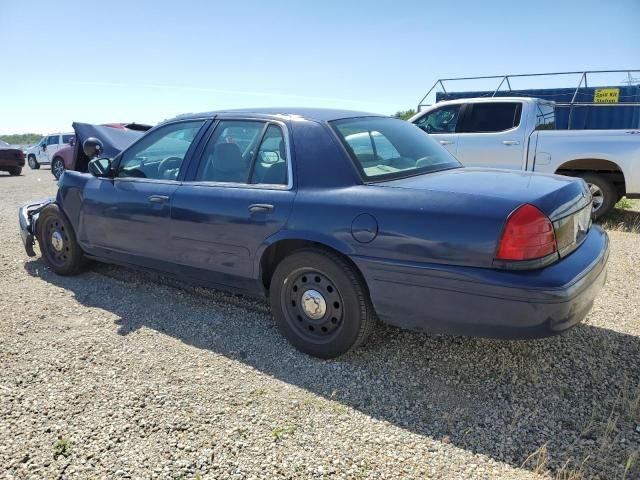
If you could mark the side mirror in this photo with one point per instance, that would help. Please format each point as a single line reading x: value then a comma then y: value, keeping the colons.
x: 92, y: 147
x: 99, y: 167
x: 72, y: 141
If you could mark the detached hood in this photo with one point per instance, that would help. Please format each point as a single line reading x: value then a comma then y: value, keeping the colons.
x: 554, y: 195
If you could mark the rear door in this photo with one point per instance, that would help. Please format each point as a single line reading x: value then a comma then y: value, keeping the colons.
x: 491, y: 134
x: 128, y: 215
x: 441, y: 123
x: 240, y: 194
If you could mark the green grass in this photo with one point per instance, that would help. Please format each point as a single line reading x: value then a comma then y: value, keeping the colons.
x: 62, y: 447
x: 624, y: 204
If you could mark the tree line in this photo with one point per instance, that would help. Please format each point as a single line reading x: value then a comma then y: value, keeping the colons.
x: 21, y: 138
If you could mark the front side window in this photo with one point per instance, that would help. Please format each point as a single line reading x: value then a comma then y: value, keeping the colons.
x: 546, y: 117
x: 160, y: 154
x: 386, y: 148
x: 442, y: 120
x: 492, y: 117
x: 52, y: 140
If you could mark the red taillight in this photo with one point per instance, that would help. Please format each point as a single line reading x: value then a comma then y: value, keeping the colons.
x: 527, y: 235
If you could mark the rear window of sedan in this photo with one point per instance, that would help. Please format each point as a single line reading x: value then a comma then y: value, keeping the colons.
x: 385, y: 148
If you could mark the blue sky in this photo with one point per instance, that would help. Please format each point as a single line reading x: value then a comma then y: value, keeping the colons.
x: 145, y: 61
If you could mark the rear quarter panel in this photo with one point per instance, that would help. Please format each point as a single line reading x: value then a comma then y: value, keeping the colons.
x: 622, y: 147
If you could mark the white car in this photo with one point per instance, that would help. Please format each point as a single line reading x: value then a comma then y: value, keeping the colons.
x: 42, y: 152
x: 518, y: 133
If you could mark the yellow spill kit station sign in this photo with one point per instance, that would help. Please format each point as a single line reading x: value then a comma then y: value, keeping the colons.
x: 606, y: 95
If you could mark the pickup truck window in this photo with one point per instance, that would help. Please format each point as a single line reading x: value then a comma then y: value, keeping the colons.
x: 546, y: 117
x: 160, y: 154
x: 491, y: 117
x: 404, y: 150
x: 52, y: 140
x: 66, y: 138
x: 440, y: 120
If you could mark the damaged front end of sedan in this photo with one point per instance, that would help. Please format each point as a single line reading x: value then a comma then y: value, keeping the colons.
x: 28, y: 218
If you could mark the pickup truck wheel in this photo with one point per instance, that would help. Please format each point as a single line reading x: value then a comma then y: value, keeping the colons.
x: 58, y: 244
x: 57, y: 167
x: 603, y: 192
x: 33, y: 164
x: 15, y: 171
x: 320, y: 303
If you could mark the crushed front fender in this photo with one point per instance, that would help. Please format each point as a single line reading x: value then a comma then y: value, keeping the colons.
x: 28, y: 217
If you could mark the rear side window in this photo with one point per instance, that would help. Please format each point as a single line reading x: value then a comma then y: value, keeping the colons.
x: 546, y: 117
x: 66, y: 138
x: 491, y: 117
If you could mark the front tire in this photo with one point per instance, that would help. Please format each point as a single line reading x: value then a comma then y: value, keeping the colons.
x: 320, y: 303
x: 603, y: 192
x: 58, y: 244
x: 33, y: 164
x: 57, y: 167
x: 15, y: 171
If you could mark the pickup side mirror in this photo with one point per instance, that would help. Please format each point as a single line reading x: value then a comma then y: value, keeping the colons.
x: 72, y: 141
x: 100, y: 167
x: 92, y: 147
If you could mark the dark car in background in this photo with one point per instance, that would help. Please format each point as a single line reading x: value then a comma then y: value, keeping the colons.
x: 11, y: 159
x: 339, y: 218
x: 115, y: 136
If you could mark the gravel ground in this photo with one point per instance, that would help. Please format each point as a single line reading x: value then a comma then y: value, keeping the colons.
x: 117, y: 374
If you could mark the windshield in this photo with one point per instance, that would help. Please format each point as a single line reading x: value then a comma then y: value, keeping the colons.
x: 386, y: 148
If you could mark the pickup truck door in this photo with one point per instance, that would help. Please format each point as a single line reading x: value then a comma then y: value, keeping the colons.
x: 127, y: 216
x: 441, y: 124
x: 240, y: 194
x: 492, y: 135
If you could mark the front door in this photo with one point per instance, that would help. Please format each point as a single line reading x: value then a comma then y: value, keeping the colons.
x: 52, y: 145
x: 440, y: 124
x: 128, y: 215
x: 240, y: 195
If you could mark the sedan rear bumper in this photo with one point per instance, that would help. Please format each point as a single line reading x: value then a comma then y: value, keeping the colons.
x: 483, y: 302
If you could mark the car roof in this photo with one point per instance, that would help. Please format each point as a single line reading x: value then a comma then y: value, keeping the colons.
x: 286, y: 113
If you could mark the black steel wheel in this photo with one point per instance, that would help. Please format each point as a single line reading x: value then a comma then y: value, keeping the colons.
x: 320, y: 303
x: 58, y: 244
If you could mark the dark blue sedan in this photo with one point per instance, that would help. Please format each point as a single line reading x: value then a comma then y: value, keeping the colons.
x: 340, y: 218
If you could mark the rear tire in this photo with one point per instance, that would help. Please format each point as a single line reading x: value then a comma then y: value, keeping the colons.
x: 33, y: 164
x: 57, y: 167
x: 320, y: 303
x: 58, y: 244
x: 603, y: 192
x: 15, y: 171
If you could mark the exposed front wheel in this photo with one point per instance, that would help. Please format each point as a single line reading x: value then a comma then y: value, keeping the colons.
x: 57, y: 167
x: 33, y: 164
x: 320, y: 303
x: 58, y: 244
x: 602, y: 191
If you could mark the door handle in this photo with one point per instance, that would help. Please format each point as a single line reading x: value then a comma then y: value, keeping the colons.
x: 511, y: 142
x: 158, y: 198
x: 445, y: 142
x: 261, y: 208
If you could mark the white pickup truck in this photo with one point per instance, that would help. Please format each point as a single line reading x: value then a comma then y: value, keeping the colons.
x: 518, y: 133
